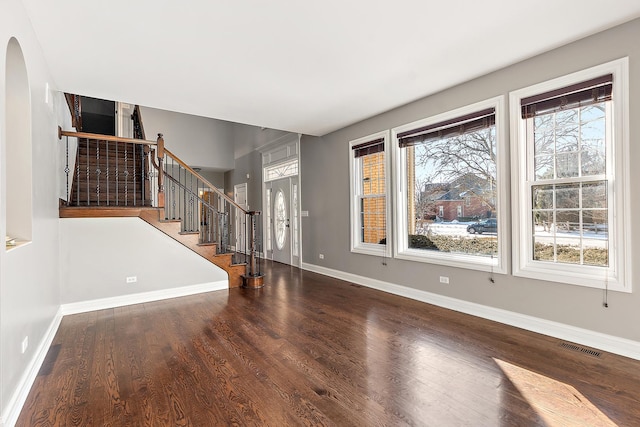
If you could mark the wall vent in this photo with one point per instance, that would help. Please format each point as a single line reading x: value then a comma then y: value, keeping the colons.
x: 584, y: 350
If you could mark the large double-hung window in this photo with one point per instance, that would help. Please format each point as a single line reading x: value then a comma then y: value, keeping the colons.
x: 568, y: 147
x: 449, y: 188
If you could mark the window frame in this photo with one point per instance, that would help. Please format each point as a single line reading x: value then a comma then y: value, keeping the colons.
x: 279, y: 170
x: 355, y: 173
x: 618, y: 275
x: 494, y: 264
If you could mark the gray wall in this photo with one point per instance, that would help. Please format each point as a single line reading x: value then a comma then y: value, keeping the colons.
x: 198, y: 141
x: 325, y: 178
x: 247, y: 138
x: 216, y: 178
x: 249, y: 164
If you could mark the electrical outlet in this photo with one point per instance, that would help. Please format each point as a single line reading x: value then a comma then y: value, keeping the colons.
x: 321, y: 256
x: 444, y: 279
x: 25, y: 344
x: 132, y: 279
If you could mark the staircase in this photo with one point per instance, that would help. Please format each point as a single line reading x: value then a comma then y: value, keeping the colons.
x: 108, y: 176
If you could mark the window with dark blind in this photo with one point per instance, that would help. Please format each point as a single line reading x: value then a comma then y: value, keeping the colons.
x: 569, y: 180
x: 448, y: 166
x: 450, y: 128
x: 582, y: 94
x: 369, y: 193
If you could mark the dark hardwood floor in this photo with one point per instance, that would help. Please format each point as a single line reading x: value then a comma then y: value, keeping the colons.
x: 311, y: 350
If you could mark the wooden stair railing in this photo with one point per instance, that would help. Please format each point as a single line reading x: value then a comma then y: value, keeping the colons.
x: 218, y: 219
x: 75, y: 107
x: 115, y: 176
x: 107, y: 170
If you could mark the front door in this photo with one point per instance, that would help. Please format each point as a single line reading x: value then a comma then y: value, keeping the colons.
x: 281, y: 220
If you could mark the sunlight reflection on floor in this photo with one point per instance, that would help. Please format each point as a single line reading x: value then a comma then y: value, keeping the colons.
x: 557, y: 403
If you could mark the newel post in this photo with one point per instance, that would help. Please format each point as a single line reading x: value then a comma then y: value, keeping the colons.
x: 160, y: 171
x: 254, y: 279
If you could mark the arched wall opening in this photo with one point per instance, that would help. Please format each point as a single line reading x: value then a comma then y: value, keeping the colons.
x: 18, y: 170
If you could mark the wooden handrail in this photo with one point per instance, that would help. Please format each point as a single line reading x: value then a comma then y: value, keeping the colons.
x: 75, y: 108
x: 100, y: 137
x: 204, y: 181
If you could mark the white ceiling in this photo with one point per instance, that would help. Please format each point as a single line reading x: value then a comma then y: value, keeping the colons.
x: 302, y: 66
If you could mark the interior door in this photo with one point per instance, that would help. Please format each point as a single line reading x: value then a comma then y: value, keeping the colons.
x: 281, y: 220
x: 123, y: 119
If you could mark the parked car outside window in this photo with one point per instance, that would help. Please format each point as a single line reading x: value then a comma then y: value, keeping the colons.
x: 487, y: 226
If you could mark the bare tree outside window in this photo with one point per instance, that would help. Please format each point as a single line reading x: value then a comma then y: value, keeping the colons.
x: 569, y: 197
x: 454, y: 180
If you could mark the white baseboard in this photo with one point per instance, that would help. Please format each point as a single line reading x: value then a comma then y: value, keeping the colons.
x: 609, y: 343
x: 12, y: 411
x: 120, y: 301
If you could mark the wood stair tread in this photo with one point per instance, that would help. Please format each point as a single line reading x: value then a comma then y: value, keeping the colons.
x: 101, y: 211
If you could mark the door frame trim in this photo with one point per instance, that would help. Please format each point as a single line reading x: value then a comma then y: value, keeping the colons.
x: 286, y: 149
